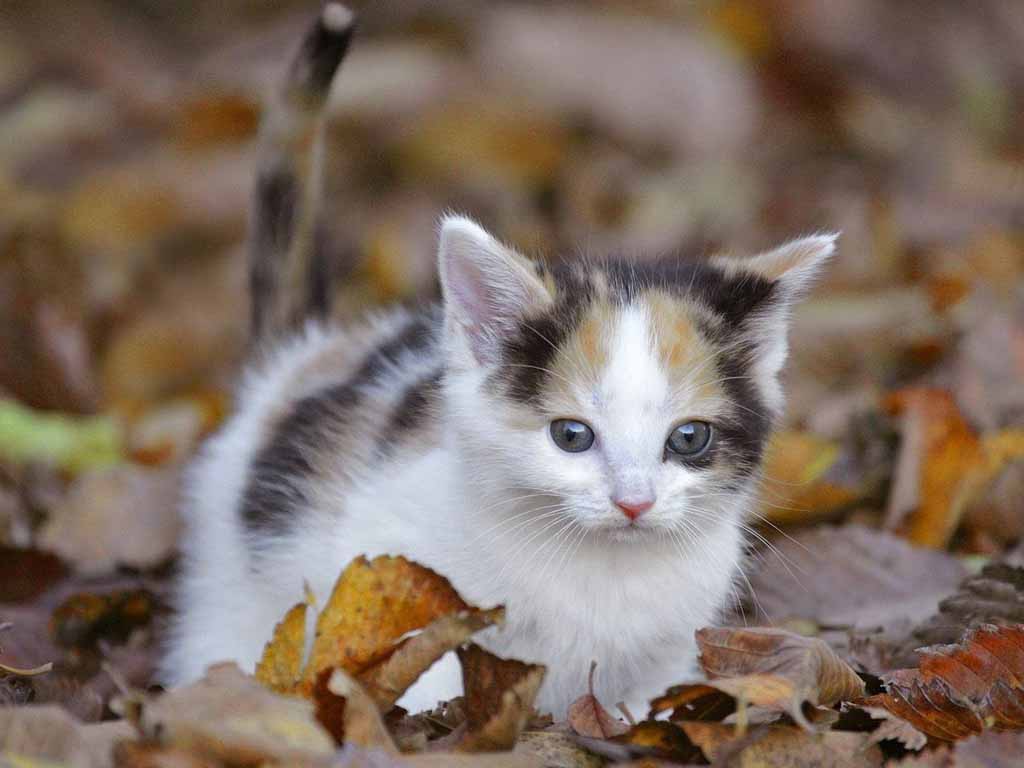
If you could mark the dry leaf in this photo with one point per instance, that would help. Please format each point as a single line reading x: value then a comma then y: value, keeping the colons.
x: 387, y: 681
x: 959, y: 690
x: 49, y: 733
x: 231, y: 717
x: 659, y: 739
x: 27, y: 573
x: 126, y: 515
x: 994, y: 596
x: 373, y: 604
x: 499, y: 696
x: 363, y: 629
x: 589, y: 718
x: 348, y: 712
x: 280, y: 667
x: 555, y: 750
x: 782, y: 746
x: 766, y: 667
x: 799, y: 484
x: 852, y: 575
x: 940, y: 466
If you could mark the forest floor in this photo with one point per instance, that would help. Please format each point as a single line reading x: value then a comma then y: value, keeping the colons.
x: 893, y: 501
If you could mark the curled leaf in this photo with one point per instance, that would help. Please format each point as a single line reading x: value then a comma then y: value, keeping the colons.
x: 769, y: 668
x: 960, y: 690
x: 499, y: 698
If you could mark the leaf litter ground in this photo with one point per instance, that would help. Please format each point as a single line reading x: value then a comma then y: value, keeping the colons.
x: 891, y: 517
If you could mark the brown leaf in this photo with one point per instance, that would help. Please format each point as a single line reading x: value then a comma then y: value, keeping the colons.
x: 131, y: 754
x: 394, y: 596
x: 231, y: 717
x: 776, y: 669
x: 387, y: 681
x: 84, y: 619
x: 959, y: 690
x: 371, y: 607
x: 499, y: 697
x: 50, y: 733
x: 659, y: 739
x: 994, y: 596
x: 589, y: 718
x: 853, y: 576
x: 782, y: 746
x: 348, y: 712
x: 27, y: 573
x: 556, y: 750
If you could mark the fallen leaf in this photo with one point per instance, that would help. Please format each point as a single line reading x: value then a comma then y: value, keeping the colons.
x: 27, y: 573
x: 125, y: 515
x: 230, y: 717
x: 991, y: 750
x: 280, y: 667
x: 84, y: 619
x: 348, y: 712
x: 959, y: 690
x: 49, y: 733
x: 388, y: 680
x: 994, y: 596
x: 588, y: 717
x: 801, y: 481
x: 555, y: 750
x: 499, y: 696
x: 659, y: 739
x: 394, y: 596
x: 852, y: 576
x: 366, y: 629
x: 941, y: 464
x: 74, y: 443
x: 777, y: 669
x: 782, y: 746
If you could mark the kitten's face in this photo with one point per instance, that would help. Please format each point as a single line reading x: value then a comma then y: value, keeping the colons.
x: 634, y: 399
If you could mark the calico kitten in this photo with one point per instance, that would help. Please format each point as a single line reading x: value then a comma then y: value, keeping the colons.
x: 579, y: 442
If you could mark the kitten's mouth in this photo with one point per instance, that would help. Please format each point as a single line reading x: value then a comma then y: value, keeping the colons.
x: 627, y: 530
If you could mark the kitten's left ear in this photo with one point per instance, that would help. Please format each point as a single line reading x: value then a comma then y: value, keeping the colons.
x: 791, y: 269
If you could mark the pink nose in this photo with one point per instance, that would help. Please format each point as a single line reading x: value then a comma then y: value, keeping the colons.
x: 633, y: 509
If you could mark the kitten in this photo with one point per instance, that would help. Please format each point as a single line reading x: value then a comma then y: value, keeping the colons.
x: 579, y: 442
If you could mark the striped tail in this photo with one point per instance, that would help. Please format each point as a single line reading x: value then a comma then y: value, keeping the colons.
x: 288, y: 273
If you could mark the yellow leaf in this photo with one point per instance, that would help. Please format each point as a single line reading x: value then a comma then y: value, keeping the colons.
x: 281, y: 664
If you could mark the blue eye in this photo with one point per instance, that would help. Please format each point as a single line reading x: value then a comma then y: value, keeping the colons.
x: 690, y: 440
x: 571, y: 436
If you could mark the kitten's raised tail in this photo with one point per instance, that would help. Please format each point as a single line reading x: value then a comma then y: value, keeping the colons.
x: 288, y: 273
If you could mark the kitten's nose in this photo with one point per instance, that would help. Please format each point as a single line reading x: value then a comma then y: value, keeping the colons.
x: 633, y: 508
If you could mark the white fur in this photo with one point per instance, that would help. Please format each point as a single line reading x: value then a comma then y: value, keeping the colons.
x: 496, y: 507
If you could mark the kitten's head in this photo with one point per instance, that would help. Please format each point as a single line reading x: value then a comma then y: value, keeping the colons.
x: 636, y: 398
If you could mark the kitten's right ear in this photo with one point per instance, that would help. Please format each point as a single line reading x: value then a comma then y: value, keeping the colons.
x: 488, y: 287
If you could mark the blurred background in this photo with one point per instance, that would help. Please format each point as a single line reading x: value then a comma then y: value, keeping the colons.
x: 643, y: 127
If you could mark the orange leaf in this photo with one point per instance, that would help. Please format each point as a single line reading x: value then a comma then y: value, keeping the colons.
x: 959, y: 690
x: 281, y: 664
x: 940, y: 459
x: 373, y: 604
